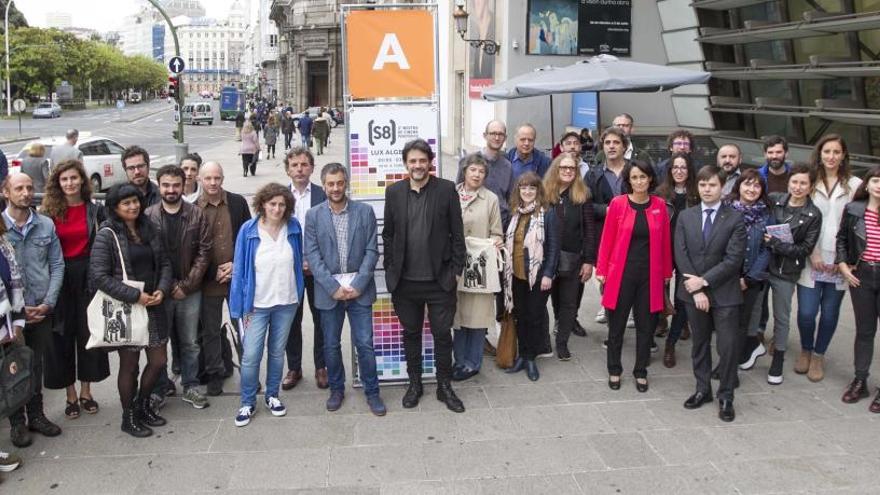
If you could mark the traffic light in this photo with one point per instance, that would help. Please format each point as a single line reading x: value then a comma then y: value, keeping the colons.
x: 173, y: 81
x: 174, y: 135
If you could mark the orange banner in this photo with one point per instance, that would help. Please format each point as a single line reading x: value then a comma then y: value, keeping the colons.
x: 390, y: 53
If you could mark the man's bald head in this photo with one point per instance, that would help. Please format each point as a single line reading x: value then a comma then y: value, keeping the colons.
x: 210, y: 167
x: 211, y: 177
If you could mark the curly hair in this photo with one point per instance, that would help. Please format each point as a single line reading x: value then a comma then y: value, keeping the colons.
x: 54, y: 204
x: 269, y: 191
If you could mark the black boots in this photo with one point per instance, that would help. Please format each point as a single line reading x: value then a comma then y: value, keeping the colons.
x: 413, y: 393
x: 446, y: 395
x: 147, y: 415
x: 131, y: 424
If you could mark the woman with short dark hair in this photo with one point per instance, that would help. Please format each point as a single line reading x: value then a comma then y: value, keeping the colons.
x: 267, y: 285
x: 143, y: 259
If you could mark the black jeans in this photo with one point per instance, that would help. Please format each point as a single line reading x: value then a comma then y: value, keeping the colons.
x: 866, y: 307
x: 410, y: 299
x: 287, y: 137
x: 295, y: 338
x: 216, y: 356
x: 724, y: 321
x: 566, y: 292
x: 634, y: 295
x: 37, y: 337
x: 530, y: 308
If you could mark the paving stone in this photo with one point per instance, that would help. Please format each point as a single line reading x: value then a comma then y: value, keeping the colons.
x: 472, y: 396
x: 406, y: 428
x: 529, y: 485
x: 859, y: 436
x: 369, y: 465
x: 293, y: 469
x: 193, y: 472
x: 486, y: 424
x: 525, y: 394
x: 758, y: 476
x: 78, y: 476
x: 564, y: 420
x: 703, y: 479
x: 266, y: 433
x: 772, y: 440
x: 629, y: 416
x: 684, y: 445
x: 624, y: 450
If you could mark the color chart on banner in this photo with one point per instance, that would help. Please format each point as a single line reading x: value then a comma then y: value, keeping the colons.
x: 388, y: 343
x: 376, y: 138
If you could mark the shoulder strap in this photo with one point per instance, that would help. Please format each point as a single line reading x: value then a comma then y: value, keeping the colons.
x: 121, y: 258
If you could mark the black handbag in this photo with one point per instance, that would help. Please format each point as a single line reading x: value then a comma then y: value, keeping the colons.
x: 568, y: 262
x: 16, y: 378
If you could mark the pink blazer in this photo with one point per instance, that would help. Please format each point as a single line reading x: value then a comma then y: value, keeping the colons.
x: 614, y: 246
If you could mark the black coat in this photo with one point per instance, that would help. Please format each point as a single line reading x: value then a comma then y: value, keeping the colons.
x: 788, y: 260
x: 852, y: 236
x: 105, y: 267
x: 446, y: 232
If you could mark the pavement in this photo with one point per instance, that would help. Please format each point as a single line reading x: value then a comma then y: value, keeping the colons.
x: 567, y: 433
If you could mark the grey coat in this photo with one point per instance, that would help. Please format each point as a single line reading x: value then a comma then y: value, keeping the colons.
x: 37, y: 168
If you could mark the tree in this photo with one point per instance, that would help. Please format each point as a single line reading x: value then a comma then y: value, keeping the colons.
x: 16, y: 18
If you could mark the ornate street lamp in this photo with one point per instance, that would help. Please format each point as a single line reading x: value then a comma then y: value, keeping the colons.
x: 461, y: 25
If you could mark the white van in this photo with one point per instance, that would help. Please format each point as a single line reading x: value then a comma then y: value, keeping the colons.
x: 196, y: 113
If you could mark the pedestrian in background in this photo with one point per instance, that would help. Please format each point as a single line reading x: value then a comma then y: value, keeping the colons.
x: 271, y: 135
x: 287, y: 128
x: 320, y: 132
x: 36, y: 166
x: 250, y: 149
x: 239, y: 124
x: 68, y: 202
x: 305, y: 130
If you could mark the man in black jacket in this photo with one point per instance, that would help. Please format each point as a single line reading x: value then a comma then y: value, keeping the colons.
x: 225, y: 212
x: 424, y: 254
x: 710, y: 244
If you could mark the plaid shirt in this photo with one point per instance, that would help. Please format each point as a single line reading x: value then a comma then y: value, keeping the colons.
x: 340, y: 225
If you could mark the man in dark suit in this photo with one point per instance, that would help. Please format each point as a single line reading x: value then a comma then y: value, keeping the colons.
x: 300, y: 163
x: 710, y: 242
x: 424, y: 253
x: 341, y: 248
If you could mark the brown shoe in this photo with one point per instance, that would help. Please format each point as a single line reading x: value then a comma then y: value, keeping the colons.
x: 817, y: 368
x: 875, y: 404
x: 803, y: 362
x: 669, y: 356
x: 662, y: 327
x: 321, y: 378
x: 488, y: 349
x: 291, y: 379
x: 686, y: 332
x: 855, y: 391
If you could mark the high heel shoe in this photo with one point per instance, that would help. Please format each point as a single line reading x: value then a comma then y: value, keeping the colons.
x: 518, y: 365
x: 642, y: 387
x: 614, y: 385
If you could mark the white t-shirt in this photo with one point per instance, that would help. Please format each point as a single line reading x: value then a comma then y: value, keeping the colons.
x: 275, y: 276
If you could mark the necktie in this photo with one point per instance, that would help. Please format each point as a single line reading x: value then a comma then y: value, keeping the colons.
x: 707, y: 225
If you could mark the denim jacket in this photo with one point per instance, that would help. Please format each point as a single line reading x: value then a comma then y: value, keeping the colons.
x: 40, y: 257
x: 244, y: 275
x: 757, y: 258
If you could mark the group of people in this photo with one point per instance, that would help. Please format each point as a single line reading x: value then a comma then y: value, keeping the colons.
x: 714, y: 247
x: 273, y: 123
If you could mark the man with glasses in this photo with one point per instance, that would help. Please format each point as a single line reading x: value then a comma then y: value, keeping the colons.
x: 679, y: 141
x: 624, y: 122
x: 499, y: 180
x: 136, y: 162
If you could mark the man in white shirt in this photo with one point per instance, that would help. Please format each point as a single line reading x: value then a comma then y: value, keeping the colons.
x: 67, y: 150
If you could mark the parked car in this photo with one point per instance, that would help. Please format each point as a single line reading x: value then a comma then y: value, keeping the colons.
x: 134, y: 97
x: 48, y: 109
x: 101, y: 158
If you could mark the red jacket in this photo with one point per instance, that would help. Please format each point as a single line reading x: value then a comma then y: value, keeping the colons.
x: 614, y: 246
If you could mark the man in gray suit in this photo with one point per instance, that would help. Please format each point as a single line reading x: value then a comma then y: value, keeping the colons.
x: 341, y: 249
x: 710, y: 242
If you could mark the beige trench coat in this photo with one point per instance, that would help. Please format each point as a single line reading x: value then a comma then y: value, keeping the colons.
x: 482, y: 219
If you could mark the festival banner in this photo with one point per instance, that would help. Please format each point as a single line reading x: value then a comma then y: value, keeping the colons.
x: 481, y: 24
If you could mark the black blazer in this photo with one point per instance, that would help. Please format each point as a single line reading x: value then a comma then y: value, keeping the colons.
x: 446, y: 236
x: 719, y: 261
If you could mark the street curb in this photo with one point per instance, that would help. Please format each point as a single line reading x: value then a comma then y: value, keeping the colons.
x: 139, y: 117
x: 16, y: 140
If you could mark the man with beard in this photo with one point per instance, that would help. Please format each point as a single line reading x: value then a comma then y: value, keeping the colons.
x: 775, y: 170
x: 136, y: 162
x: 500, y: 177
x: 729, y: 159
x: 186, y: 236
x: 342, y: 250
x: 626, y: 123
x: 424, y: 253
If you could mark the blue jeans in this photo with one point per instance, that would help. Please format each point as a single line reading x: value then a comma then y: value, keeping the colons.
x: 273, y: 323
x: 824, y: 297
x: 467, y: 348
x: 360, y: 319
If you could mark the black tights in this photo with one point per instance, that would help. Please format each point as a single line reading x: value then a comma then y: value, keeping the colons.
x: 128, y: 369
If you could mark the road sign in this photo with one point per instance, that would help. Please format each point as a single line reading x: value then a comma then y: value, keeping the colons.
x: 19, y: 105
x: 176, y: 65
x: 120, y: 104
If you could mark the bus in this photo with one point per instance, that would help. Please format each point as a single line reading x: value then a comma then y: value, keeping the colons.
x: 231, y: 102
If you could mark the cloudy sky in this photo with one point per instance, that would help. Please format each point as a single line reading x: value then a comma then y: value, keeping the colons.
x: 103, y: 15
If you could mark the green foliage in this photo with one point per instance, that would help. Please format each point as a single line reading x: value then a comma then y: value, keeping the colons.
x: 41, y: 58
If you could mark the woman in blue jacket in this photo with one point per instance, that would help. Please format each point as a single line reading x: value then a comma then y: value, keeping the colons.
x: 267, y: 285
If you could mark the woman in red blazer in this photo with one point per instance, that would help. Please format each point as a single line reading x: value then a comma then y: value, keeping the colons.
x: 634, y: 263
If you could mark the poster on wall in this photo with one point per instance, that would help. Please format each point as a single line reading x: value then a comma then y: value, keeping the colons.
x: 481, y: 25
x: 377, y: 135
x: 584, y: 109
x: 579, y: 27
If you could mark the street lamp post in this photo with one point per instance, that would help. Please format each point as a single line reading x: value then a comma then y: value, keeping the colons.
x: 6, y: 37
x: 182, y: 148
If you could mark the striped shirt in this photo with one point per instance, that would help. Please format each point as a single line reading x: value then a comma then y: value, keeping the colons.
x: 340, y: 226
x: 872, y: 229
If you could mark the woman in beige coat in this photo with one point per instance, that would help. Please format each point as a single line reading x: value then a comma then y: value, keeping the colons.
x: 476, y: 311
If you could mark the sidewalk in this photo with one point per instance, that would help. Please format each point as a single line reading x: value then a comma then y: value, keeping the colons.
x: 564, y: 434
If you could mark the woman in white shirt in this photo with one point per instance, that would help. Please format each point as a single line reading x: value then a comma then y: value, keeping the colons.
x: 821, y: 286
x: 267, y: 285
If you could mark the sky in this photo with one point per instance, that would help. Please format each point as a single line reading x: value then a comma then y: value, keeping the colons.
x: 102, y: 15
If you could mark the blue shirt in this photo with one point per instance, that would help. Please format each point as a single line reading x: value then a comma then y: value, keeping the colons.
x: 538, y: 163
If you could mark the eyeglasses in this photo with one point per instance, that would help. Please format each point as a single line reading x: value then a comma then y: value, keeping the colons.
x: 683, y: 144
x: 528, y: 188
x: 137, y: 166
x: 567, y: 168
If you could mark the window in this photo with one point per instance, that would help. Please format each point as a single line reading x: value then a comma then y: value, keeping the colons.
x: 114, y: 148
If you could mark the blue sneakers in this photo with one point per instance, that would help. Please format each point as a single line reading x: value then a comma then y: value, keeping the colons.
x: 245, y: 413
x: 274, y: 405
x: 377, y: 407
x: 335, y: 400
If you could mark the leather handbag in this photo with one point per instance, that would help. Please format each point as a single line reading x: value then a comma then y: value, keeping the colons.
x: 505, y: 353
x: 17, y: 381
x: 115, y: 323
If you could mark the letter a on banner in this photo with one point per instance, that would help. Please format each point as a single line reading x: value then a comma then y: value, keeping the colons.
x: 390, y: 54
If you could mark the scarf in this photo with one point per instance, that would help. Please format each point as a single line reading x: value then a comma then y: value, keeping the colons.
x: 15, y: 292
x: 533, y: 243
x: 465, y: 197
x: 752, y: 214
